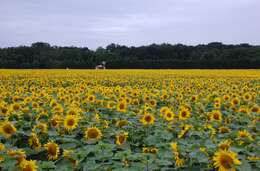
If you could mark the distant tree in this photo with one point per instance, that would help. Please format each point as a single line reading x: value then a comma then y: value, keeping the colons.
x: 212, y: 55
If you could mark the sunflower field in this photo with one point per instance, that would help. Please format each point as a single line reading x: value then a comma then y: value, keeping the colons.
x: 119, y: 120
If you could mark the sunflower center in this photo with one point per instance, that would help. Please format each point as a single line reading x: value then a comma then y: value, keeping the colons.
x: 254, y: 109
x: 93, y: 134
x: 4, y: 110
x: 8, y: 129
x: 54, y: 122
x: 235, y: 102
x: 183, y: 113
x: 148, y: 118
x: 121, y: 106
x: 226, y: 161
x: 52, y: 149
x: 16, y: 107
x: 70, y: 122
x: 27, y: 168
x: 216, y: 116
x: 121, y: 139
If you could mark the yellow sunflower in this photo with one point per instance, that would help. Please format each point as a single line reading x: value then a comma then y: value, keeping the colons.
x: 168, y: 115
x: 121, y: 138
x: 70, y: 122
x: 225, y: 160
x: 216, y: 116
x: 56, y: 120
x: 147, y: 119
x: 121, y: 106
x: 42, y: 126
x: 224, y: 129
x: 224, y: 145
x: 184, y: 129
x: 28, y: 165
x: 7, y: 129
x: 53, y: 150
x: 184, y: 114
x: 235, y: 101
x: 153, y: 102
x: 18, y: 154
x: 16, y: 107
x: 255, y: 109
x: 4, y: 110
x: 121, y: 123
x: 163, y: 110
x: 93, y: 133
x: 34, y: 141
x: 2, y: 147
x: 244, y: 134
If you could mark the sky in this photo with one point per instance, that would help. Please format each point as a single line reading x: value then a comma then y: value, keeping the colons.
x: 95, y: 23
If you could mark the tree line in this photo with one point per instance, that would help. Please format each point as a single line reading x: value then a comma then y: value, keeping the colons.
x: 157, y: 56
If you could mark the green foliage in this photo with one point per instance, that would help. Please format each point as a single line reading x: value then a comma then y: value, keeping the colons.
x: 213, y: 55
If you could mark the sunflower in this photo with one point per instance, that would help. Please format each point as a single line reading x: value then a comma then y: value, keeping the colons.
x: 152, y: 150
x: 216, y: 116
x: 53, y: 150
x: 244, y: 134
x: 42, y: 126
x: 168, y: 115
x: 72, y: 111
x: 153, y: 102
x: 179, y: 162
x: 217, y: 100
x: 34, y: 141
x: 217, y: 105
x: 243, y: 109
x: 247, y: 97
x: 255, y: 109
x: 135, y: 102
x: 235, y: 101
x: 110, y: 104
x: 184, y: 129
x: 184, y: 114
x: 16, y: 107
x: 146, y: 150
x: 18, y: 154
x: 121, y: 138
x: 7, y: 129
x: 53, y: 103
x: 147, y: 119
x: 224, y: 129
x: 91, y: 98
x: 163, y: 110
x: 56, y: 120
x: 226, y: 97
x: 70, y: 122
x: 174, y: 146
x: 224, y: 145
x: 194, y: 98
x: 2, y: 147
x: 121, y: 106
x: 93, y: 133
x: 28, y: 165
x: 225, y: 160
x: 4, y: 110
x: 121, y: 123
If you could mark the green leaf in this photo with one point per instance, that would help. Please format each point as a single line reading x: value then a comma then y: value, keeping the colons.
x: 47, y: 165
x: 245, y: 166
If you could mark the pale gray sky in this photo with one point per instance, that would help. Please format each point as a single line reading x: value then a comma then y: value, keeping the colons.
x: 129, y: 22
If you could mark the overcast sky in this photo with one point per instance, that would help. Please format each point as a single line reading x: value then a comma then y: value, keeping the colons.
x: 129, y: 22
